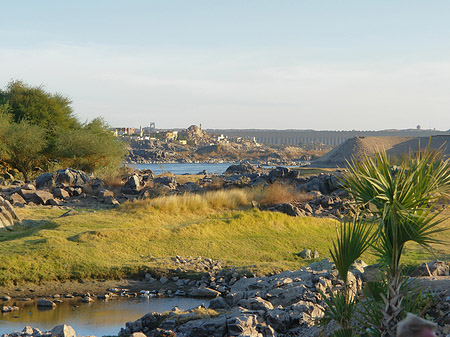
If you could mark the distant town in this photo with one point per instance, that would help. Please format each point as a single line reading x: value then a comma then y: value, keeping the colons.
x: 302, y: 138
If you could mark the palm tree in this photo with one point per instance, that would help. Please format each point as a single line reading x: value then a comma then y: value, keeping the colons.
x: 401, y: 200
x: 352, y: 241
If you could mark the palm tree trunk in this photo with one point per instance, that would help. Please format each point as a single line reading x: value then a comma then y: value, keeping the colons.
x: 393, y: 301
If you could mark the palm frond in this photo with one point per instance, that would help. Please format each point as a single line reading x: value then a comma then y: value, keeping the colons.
x: 353, y: 240
x: 340, y: 309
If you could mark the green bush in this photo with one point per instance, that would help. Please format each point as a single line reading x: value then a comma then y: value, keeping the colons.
x: 38, y: 128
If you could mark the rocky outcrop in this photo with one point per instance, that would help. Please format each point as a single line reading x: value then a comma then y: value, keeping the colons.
x: 62, y: 330
x: 59, y: 188
x: 242, y: 168
x: 7, y: 214
x: 62, y: 178
x: 288, y: 209
x: 433, y: 268
x: 286, y: 303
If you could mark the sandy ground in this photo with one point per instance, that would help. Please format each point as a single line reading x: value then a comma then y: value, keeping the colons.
x: 358, y: 146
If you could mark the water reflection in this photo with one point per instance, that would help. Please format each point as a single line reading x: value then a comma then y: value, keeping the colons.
x: 97, y: 318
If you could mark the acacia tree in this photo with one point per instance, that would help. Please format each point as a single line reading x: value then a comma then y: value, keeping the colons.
x: 89, y: 147
x: 37, y: 127
x: 34, y: 104
x: 22, y: 146
x: 401, y: 198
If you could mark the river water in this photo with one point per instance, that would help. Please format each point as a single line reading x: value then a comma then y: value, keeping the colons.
x: 184, y: 168
x: 191, y: 168
x: 99, y: 318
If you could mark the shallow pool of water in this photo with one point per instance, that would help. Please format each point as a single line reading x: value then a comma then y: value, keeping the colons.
x: 99, y: 318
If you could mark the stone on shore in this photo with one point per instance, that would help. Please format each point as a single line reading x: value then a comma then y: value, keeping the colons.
x: 204, y: 292
x: 63, y: 331
x: 42, y: 302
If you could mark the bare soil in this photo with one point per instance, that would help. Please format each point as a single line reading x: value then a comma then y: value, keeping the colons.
x: 357, y: 147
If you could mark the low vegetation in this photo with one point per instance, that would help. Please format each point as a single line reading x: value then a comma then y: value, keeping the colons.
x: 143, y: 236
x: 278, y: 193
x: 400, y: 202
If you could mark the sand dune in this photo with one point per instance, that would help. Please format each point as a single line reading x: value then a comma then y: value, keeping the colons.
x: 396, y: 146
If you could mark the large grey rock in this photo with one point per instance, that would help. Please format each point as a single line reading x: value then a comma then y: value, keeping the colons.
x: 16, y: 198
x: 256, y: 303
x: 218, y: 303
x: 63, y: 177
x: 433, y: 268
x: 147, y: 322
x: 71, y: 177
x: 42, y: 302
x: 305, y: 254
x: 204, y: 292
x: 288, y: 209
x: 44, y: 180
x: 283, y: 319
x: 43, y: 197
x: 28, y: 195
x: 63, y: 331
x: 242, y: 168
x: 61, y: 193
x: 279, y: 172
x: 238, y: 322
x: 6, y: 218
x: 133, y: 185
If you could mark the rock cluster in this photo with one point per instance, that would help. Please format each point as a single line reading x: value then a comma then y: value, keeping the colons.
x: 49, y: 188
x: 214, y: 282
x: 331, y: 206
x: 7, y: 214
x: 286, y: 303
x: 433, y: 268
x: 58, y: 331
x: 59, y: 188
x: 69, y: 186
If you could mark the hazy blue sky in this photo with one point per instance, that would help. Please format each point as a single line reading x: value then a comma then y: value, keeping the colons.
x: 237, y: 64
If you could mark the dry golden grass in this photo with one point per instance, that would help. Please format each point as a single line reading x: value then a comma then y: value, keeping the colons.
x: 194, y: 203
x: 189, y: 178
x: 278, y: 193
x: 115, y: 178
x: 142, y: 236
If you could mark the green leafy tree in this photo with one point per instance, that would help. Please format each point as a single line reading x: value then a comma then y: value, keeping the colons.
x: 22, y: 145
x: 37, y: 127
x: 90, y: 147
x: 37, y: 106
x: 401, y: 199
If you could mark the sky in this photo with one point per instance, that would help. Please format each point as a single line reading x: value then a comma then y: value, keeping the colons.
x: 324, y: 65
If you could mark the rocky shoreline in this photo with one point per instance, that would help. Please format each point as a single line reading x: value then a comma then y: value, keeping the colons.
x: 284, y: 304
x: 72, y: 188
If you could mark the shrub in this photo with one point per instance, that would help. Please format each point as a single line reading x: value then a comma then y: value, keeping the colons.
x: 278, y: 193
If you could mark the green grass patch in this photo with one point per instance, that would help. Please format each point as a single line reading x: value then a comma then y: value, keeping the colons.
x: 142, y: 236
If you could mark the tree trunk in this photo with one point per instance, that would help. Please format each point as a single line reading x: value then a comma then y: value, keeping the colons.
x: 393, y: 301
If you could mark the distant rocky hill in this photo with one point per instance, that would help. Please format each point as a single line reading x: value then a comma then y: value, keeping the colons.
x: 157, y: 151
x: 396, y: 146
